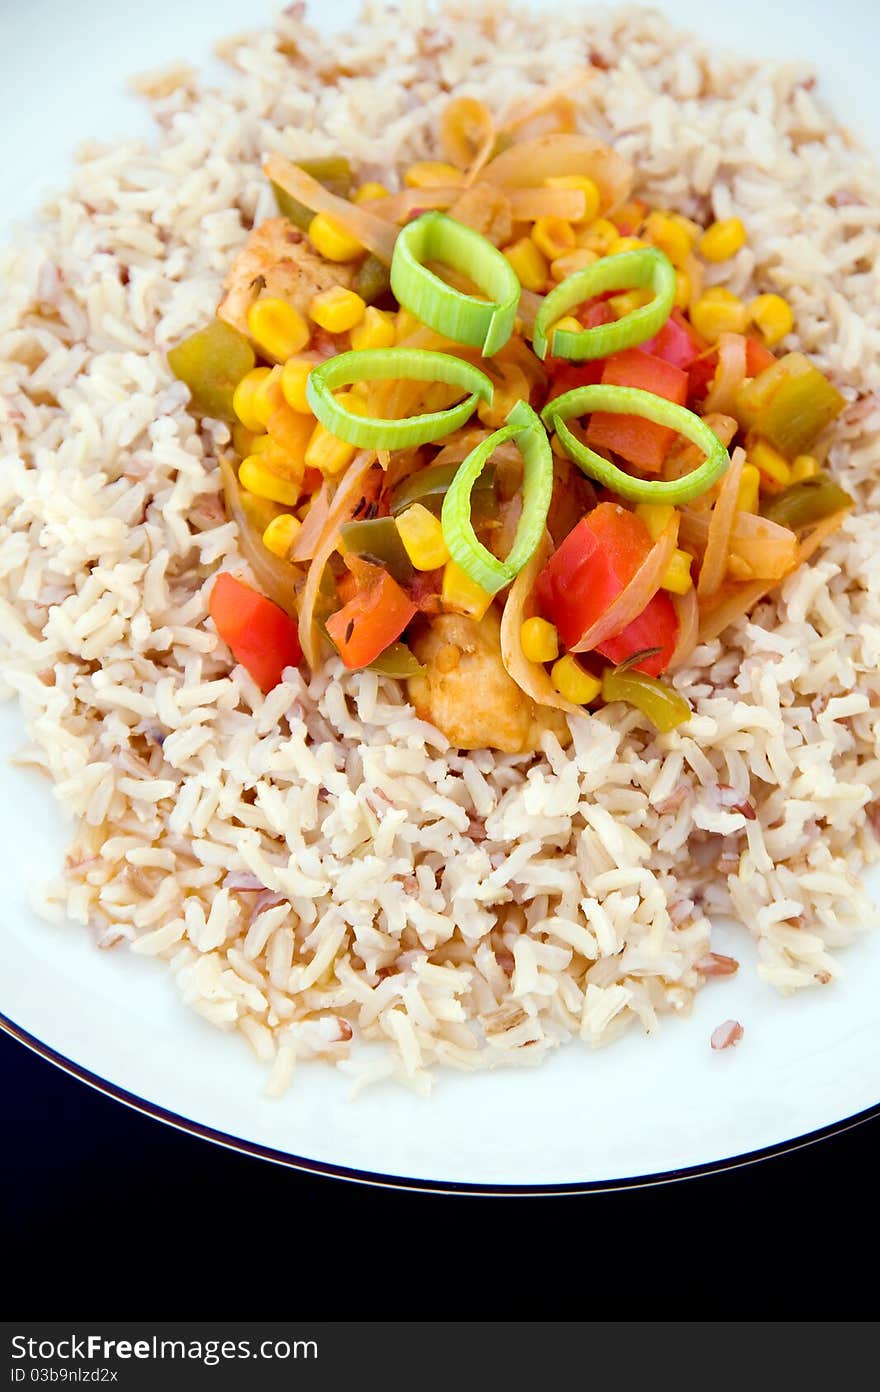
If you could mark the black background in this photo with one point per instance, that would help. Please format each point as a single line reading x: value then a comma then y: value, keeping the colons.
x: 111, y: 1214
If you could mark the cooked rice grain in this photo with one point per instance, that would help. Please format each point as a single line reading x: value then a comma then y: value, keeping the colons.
x: 464, y: 910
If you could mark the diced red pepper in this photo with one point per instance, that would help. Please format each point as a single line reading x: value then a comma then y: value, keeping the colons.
x: 757, y: 357
x: 261, y: 636
x: 596, y: 311
x: 376, y: 616
x: 655, y: 627
x: 701, y: 375
x: 635, y: 439
x: 677, y: 342
x: 584, y: 576
x: 568, y: 376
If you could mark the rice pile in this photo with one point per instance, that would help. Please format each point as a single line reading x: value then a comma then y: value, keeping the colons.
x: 317, y: 867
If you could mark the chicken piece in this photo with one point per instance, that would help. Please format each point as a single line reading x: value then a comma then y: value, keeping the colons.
x: 467, y: 693
x: 278, y: 261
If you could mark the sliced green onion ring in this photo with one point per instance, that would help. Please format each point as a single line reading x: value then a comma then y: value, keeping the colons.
x: 384, y: 365
x: 485, y: 324
x: 484, y: 569
x: 628, y: 270
x: 632, y: 401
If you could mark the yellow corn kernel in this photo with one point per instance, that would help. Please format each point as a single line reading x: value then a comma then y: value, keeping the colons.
x: 677, y: 575
x: 277, y: 328
x: 568, y: 324
x: 805, y: 466
x: 370, y: 191
x: 326, y: 451
x: 405, y: 325
x: 257, y: 478
x: 656, y: 517
x: 625, y: 244
x: 553, y: 236
x: 267, y: 396
x: 337, y: 310
x: 294, y: 376
x: 259, y: 445
x: 376, y: 330
x: 539, y: 640
x: 529, y: 263
x: 243, y: 398
x: 773, y: 317
x: 242, y: 440
x: 461, y: 594
x: 590, y: 190
x: 332, y: 241
x: 281, y: 534
x: 665, y: 232
x: 773, y: 465
x: 254, y: 398
x: 682, y: 289
x: 572, y: 682
x: 572, y: 261
x: 630, y: 300
x: 693, y: 229
x: 722, y: 239
x: 718, y: 311
x: 433, y: 174
x: 597, y: 236
x: 422, y: 537
x: 749, y: 488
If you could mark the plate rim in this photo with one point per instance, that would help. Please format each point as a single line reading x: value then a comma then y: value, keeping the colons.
x: 241, y: 1145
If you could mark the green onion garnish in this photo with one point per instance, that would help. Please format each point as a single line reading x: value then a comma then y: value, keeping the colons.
x: 389, y: 364
x: 485, y: 324
x: 483, y: 568
x: 631, y: 401
x: 629, y: 270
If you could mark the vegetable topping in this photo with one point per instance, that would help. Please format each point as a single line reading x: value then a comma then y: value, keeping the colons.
x: 576, y: 462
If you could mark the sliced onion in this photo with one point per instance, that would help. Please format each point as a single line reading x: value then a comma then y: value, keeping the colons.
x: 276, y: 578
x: 312, y: 530
x: 467, y: 134
x: 730, y: 373
x: 530, y: 677
x: 529, y: 204
x: 738, y: 600
x: 372, y: 232
x: 770, y: 550
x: 634, y: 597
x: 684, y: 456
x: 485, y: 208
x: 397, y: 207
x: 345, y: 500
x: 721, y: 519
x: 547, y: 101
x: 687, y: 611
x: 531, y: 162
x: 529, y: 309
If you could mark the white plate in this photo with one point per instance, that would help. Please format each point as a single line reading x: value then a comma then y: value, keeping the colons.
x: 638, y: 1110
